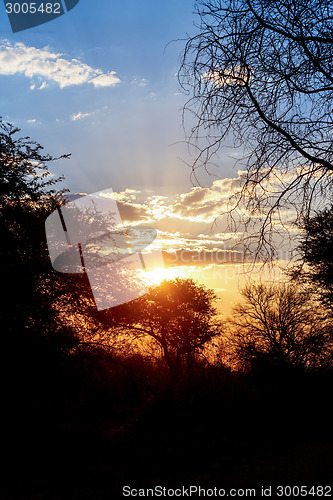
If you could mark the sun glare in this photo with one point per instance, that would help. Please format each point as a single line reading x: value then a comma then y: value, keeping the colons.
x: 159, y: 274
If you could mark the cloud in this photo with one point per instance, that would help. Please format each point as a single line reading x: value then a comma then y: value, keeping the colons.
x: 185, y: 229
x: 49, y: 66
x: 200, y: 204
x: 178, y: 241
x: 105, y: 80
x: 43, y: 86
x: 131, y: 212
x: 80, y: 116
x: 128, y: 195
x: 140, y: 82
x: 186, y: 244
x: 206, y: 204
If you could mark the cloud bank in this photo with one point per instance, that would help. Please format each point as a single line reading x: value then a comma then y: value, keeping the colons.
x: 50, y: 66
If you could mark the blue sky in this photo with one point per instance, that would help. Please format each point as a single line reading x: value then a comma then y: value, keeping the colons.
x: 127, y: 134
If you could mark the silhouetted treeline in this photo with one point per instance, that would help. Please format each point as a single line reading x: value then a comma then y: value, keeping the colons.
x: 158, y: 391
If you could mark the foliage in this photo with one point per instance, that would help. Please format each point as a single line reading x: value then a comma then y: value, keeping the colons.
x: 317, y: 257
x: 260, y: 73
x: 178, y: 315
x: 26, y: 197
x: 280, y: 325
x: 36, y: 298
x: 24, y: 174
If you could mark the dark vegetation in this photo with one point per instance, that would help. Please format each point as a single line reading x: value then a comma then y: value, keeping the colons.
x: 158, y: 391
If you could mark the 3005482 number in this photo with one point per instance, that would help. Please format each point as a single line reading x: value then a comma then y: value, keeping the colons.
x: 32, y: 8
x: 304, y: 491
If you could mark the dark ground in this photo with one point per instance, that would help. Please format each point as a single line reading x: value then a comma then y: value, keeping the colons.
x: 92, y: 427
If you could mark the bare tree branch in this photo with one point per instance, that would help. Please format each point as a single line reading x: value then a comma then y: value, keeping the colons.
x: 259, y: 75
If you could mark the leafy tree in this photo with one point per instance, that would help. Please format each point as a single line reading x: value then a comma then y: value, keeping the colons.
x: 317, y: 256
x: 261, y: 72
x: 26, y: 198
x: 178, y: 315
x: 36, y: 298
x: 37, y: 302
x: 280, y: 325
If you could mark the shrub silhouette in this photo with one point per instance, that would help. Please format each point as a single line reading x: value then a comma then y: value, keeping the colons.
x: 279, y: 325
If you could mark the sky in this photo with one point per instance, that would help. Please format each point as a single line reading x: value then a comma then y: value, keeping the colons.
x: 101, y: 83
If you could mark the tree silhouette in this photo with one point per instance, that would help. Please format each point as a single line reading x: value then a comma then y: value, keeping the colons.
x: 260, y: 72
x: 280, y: 325
x: 38, y: 300
x: 316, y: 268
x: 26, y: 197
x: 34, y: 342
x: 178, y: 315
x: 38, y: 304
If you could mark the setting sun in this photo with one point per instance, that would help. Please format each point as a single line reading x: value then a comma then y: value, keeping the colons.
x: 159, y: 274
